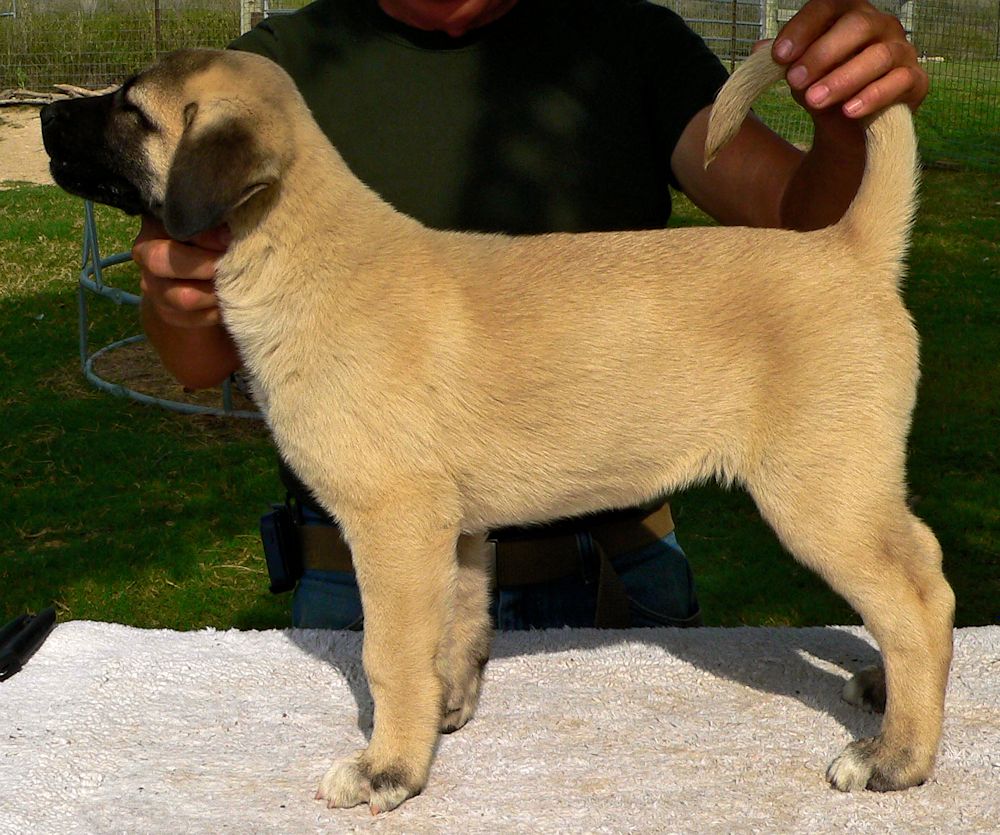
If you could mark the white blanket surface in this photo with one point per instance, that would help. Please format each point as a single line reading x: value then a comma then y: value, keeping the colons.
x: 115, y: 729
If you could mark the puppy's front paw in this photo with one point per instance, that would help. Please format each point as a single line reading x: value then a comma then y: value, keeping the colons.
x: 871, y: 764
x: 345, y: 785
x: 355, y: 780
x: 866, y: 690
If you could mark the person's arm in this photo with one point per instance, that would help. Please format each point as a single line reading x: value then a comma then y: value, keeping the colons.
x: 179, y: 310
x: 846, y: 60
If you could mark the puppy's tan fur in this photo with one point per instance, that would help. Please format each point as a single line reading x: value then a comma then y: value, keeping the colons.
x: 429, y: 386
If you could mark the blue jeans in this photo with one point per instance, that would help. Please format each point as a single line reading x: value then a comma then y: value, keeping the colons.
x: 657, y: 580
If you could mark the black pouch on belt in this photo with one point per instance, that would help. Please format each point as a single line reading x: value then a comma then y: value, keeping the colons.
x: 281, y: 548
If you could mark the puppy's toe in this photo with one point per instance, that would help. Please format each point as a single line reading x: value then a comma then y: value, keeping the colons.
x: 866, y: 690
x: 850, y: 771
x: 871, y: 764
x: 389, y: 789
x: 454, y: 718
x: 460, y: 707
x: 345, y: 784
x: 462, y: 697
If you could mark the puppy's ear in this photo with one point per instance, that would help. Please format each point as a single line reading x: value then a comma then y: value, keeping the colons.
x: 218, y: 165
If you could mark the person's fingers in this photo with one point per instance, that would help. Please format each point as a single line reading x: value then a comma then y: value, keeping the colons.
x: 170, y: 259
x: 878, y: 76
x: 216, y: 239
x: 182, y: 302
x: 176, y: 279
x: 150, y: 229
x: 901, y: 84
x: 846, y: 38
x: 184, y: 295
x: 153, y: 250
x: 847, y: 52
x: 813, y: 20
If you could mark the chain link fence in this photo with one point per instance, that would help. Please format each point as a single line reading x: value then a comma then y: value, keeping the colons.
x: 958, y: 42
x: 94, y: 43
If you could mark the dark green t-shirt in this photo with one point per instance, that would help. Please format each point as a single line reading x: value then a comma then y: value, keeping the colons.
x: 561, y: 116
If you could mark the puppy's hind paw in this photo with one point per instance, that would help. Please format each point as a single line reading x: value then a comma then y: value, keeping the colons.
x: 866, y: 690
x: 460, y: 703
x: 453, y: 719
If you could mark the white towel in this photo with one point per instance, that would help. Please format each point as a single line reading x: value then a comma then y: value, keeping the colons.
x: 115, y: 729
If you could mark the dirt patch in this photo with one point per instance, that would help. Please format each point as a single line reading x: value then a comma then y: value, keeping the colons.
x: 137, y: 367
x: 22, y: 155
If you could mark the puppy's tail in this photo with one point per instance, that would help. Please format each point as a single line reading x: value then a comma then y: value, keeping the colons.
x: 879, y: 218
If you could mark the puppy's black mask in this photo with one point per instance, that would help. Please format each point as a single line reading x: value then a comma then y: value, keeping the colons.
x: 93, y: 145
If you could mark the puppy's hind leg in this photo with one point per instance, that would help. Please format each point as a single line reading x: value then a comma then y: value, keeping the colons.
x: 466, y: 647
x: 406, y: 567
x: 887, y: 564
x: 916, y: 644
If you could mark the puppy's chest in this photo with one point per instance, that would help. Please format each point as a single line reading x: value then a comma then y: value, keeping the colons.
x: 264, y: 340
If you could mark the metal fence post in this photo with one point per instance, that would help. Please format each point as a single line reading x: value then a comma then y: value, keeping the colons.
x: 251, y: 13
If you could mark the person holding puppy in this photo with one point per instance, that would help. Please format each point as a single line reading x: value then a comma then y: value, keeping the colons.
x: 533, y: 116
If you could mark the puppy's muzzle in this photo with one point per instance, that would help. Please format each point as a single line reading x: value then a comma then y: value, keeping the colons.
x: 82, y: 161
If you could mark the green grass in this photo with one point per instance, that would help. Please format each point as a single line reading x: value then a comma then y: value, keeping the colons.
x: 112, y: 510
x: 121, y: 512
x: 960, y: 119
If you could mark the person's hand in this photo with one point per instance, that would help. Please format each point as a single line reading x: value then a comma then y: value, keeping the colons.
x: 849, y: 55
x: 177, y: 279
x: 180, y: 311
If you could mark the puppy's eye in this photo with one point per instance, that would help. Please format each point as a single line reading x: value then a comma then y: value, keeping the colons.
x: 130, y: 109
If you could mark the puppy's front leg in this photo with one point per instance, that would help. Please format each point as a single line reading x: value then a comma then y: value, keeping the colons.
x: 406, y: 568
